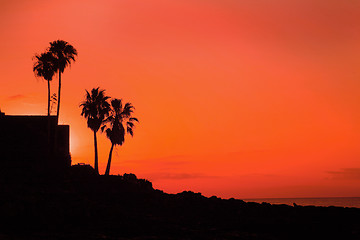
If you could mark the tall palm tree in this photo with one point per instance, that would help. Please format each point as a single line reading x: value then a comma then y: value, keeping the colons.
x: 95, y: 108
x: 44, y: 67
x: 119, y: 115
x: 64, y: 54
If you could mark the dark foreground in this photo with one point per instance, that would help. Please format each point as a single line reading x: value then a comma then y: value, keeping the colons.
x: 123, y: 207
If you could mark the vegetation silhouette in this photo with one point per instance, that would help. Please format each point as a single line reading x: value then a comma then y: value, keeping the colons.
x: 115, y: 131
x: 95, y: 109
x: 54, y: 60
x: 64, y: 54
x: 44, y: 67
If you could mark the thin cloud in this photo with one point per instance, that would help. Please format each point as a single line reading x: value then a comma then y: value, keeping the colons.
x: 16, y: 97
x: 179, y: 176
x: 346, y: 174
x: 164, y: 161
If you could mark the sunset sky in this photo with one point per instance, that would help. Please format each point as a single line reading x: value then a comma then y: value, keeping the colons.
x: 236, y: 98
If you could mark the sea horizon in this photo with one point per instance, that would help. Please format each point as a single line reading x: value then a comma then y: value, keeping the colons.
x: 311, y: 201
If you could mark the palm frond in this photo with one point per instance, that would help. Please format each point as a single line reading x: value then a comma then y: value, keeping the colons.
x: 133, y: 119
x: 95, y: 108
x: 109, y: 133
x: 130, y: 131
x: 64, y: 54
x: 116, y: 105
x: 103, y: 128
x: 44, y: 66
x: 130, y: 124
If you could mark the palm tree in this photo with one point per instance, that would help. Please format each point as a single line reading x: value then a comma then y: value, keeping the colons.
x: 64, y: 54
x: 119, y: 115
x: 44, y: 67
x: 95, y: 108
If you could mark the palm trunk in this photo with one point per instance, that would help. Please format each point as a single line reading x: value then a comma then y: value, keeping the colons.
x: 48, y: 109
x: 58, y: 102
x: 57, y: 115
x: 49, y: 122
x: 48, y: 113
x: 96, y: 164
x: 107, y: 172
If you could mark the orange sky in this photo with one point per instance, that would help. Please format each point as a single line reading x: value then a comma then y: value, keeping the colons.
x: 240, y: 99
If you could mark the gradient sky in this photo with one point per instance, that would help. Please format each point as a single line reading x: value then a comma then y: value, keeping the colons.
x: 235, y: 98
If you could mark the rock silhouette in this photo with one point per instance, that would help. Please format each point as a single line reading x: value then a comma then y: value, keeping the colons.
x: 84, y: 205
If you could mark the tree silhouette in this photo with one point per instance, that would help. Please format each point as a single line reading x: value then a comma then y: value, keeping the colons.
x: 119, y: 115
x: 44, y: 67
x: 64, y: 54
x: 95, y: 109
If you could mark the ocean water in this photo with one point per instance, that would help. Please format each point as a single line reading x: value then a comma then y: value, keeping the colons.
x: 325, y: 202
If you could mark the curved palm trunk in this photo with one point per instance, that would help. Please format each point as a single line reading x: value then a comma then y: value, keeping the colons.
x: 107, y: 172
x: 96, y: 164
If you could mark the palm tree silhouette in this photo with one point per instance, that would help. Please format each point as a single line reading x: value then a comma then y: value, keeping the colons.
x: 64, y: 54
x: 119, y: 114
x: 44, y: 67
x: 95, y: 108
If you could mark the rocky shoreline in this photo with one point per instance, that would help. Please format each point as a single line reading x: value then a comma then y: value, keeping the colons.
x: 124, y: 207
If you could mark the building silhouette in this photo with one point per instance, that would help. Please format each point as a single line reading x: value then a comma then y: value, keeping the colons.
x: 28, y: 148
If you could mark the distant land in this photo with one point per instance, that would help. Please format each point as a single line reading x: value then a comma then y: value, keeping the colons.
x: 322, y: 201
